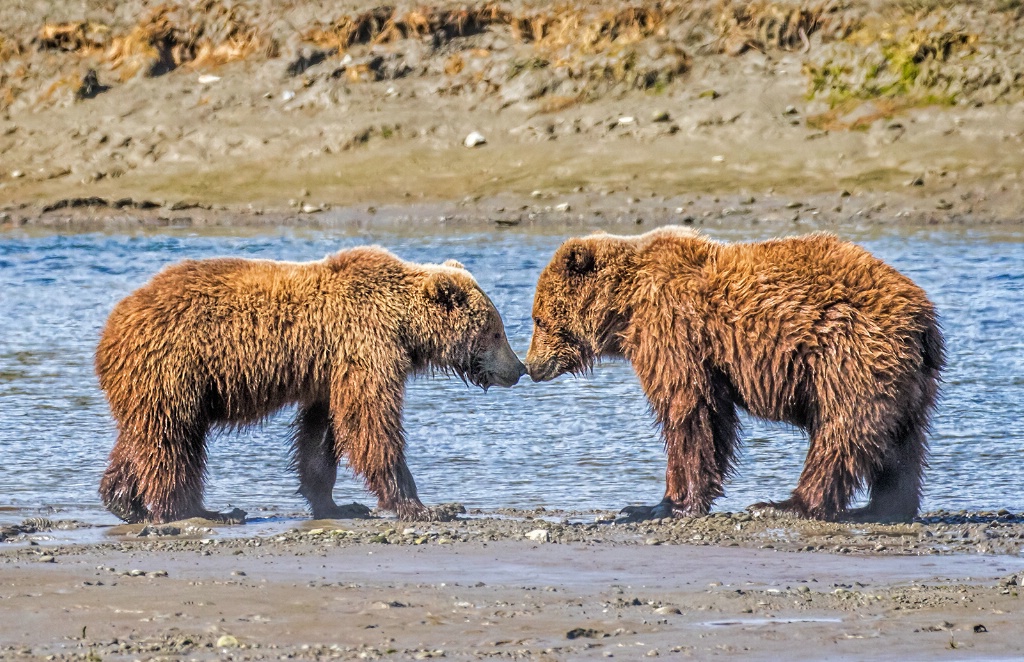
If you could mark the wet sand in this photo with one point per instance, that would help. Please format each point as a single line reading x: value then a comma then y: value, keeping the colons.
x: 524, y: 586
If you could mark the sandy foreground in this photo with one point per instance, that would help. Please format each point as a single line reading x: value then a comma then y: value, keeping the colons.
x: 515, y: 584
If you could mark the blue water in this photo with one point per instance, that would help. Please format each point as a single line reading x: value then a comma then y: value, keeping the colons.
x: 573, y: 443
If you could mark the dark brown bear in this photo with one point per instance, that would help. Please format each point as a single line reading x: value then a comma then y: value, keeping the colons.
x: 812, y: 331
x: 230, y: 341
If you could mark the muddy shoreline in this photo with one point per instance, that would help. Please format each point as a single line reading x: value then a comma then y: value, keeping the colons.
x: 520, y: 585
x: 266, y: 114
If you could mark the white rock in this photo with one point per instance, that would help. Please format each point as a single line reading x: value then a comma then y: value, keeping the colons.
x: 627, y: 120
x: 207, y: 79
x: 563, y: 207
x: 718, y: 158
x: 17, y: 174
x: 475, y: 139
x: 287, y: 95
x: 311, y: 209
x: 227, y: 641
x: 539, y: 535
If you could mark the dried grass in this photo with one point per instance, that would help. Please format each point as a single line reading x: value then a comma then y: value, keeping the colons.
x: 549, y: 28
x: 9, y: 48
x: 383, y: 25
x: 764, y: 25
x: 203, y: 34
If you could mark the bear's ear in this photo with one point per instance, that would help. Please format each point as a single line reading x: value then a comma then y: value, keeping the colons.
x: 579, y: 260
x: 454, y: 263
x: 445, y: 291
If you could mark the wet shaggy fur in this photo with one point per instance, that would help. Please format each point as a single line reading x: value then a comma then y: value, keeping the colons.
x: 810, y: 330
x: 230, y: 341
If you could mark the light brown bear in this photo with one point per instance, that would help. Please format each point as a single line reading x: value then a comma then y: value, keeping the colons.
x: 811, y: 330
x: 229, y: 341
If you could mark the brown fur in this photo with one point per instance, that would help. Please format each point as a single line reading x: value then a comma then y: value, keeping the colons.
x: 811, y: 330
x: 230, y: 341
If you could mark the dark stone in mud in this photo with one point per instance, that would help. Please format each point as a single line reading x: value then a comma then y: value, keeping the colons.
x: 576, y: 633
x: 447, y: 512
x: 66, y: 203
x: 159, y: 530
x: 91, y: 86
x: 309, y: 57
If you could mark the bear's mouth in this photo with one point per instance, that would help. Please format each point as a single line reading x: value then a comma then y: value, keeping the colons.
x: 544, y: 372
x: 485, y: 379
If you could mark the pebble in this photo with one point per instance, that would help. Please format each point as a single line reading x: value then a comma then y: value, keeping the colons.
x: 626, y: 120
x: 47, y: 558
x: 539, y: 535
x: 666, y: 610
x: 227, y: 641
x: 718, y: 158
x: 474, y: 139
x: 136, y: 573
x: 563, y: 207
x: 660, y: 116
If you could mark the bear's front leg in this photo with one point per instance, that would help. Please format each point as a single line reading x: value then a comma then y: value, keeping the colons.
x: 366, y: 411
x: 698, y: 423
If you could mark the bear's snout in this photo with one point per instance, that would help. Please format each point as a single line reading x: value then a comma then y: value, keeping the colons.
x: 542, y: 371
x: 501, y: 367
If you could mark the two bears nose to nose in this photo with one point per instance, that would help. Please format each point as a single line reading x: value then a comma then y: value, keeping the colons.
x: 697, y: 319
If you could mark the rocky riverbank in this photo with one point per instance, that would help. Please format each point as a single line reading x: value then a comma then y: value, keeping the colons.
x: 264, y: 112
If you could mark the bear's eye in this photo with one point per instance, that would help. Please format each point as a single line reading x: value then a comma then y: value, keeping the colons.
x: 538, y: 323
x: 497, y: 335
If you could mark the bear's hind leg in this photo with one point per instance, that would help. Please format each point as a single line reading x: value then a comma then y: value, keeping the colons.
x: 315, y: 459
x: 119, y: 487
x: 895, y: 490
x: 171, y: 484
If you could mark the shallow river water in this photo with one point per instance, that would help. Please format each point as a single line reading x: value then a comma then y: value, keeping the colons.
x: 572, y: 443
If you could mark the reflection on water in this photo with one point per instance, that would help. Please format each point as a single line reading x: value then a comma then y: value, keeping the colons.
x: 573, y: 443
